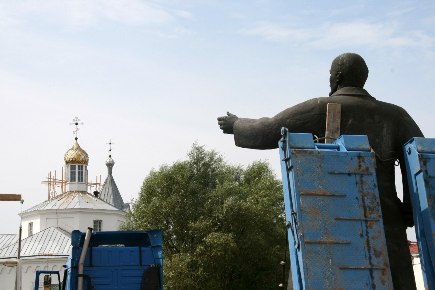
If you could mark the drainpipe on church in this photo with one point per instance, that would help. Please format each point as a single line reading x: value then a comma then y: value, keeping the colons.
x: 18, y: 269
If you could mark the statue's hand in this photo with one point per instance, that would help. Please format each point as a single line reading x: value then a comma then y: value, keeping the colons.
x: 226, y: 123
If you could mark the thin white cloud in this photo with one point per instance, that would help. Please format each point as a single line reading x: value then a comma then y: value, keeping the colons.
x: 183, y: 14
x: 400, y: 10
x: 370, y: 35
x: 340, y: 11
x: 274, y: 32
x: 349, y: 33
x: 355, y: 33
x: 83, y: 13
x: 133, y: 12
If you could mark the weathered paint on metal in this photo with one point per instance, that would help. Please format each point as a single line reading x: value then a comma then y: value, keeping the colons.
x: 333, y: 214
x: 420, y: 165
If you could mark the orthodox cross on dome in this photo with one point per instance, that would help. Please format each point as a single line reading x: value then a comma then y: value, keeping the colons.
x: 110, y: 147
x: 76, y: 122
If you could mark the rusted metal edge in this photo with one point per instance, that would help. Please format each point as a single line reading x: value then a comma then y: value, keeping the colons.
x: 326, y: 242
x: 317, y: 193
x: 361, y: 268
x: 356, y: 219
x: 10, y: 197
x: 351, y: 173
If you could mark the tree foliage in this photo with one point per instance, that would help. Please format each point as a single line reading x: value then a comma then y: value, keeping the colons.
x: 223, y: 225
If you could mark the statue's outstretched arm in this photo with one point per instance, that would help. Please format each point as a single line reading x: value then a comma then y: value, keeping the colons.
x: 226, y: 123
x: 264, y: 133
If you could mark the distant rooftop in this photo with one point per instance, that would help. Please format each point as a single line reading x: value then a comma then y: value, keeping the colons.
x: 109, y: 192
x: 72, y: 200
x: 49, y: 242
x: 7, y: 239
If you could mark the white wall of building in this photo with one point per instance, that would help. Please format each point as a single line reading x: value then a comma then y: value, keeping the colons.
x: 30, y: 266
x: 7, y: 277
x: 33, y: 218
x: 418, y: 273
x: 72, y: 219
x: 111, y: 221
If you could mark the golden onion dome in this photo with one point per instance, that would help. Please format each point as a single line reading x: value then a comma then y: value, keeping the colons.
x: 76, y: 155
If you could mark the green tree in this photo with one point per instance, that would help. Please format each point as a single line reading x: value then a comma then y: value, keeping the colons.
x: 223, y: 225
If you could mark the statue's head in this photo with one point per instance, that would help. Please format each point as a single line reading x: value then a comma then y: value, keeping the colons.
x: 348, y: 70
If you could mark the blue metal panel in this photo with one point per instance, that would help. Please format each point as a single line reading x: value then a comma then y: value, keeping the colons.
x: 355, y: 142
x: 420, y: 165
x: 333, y: 214
x: 116, y: 260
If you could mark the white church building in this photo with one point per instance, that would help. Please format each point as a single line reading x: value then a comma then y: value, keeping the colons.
x: 47, y: 227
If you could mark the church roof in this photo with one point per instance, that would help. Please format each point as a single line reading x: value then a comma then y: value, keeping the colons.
x: 76, y: 155
x: 49, y: 242
x: 7, y: 239
x: 72, y: 200
x: 109, y: 192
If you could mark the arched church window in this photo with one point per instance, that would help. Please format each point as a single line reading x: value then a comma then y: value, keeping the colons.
x: 30, y: 229
x: 80, y: 173
x: 72, y: 173
x: 76, y: 173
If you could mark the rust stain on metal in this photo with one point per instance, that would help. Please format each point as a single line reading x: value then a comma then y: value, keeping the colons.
x: 371, y: 224
x: 362, y: 166
x: 315, y: 214
x: 377, y: 253
x: 367, y: 211
x: 357, y: 219
x: 304, y: 152
x: 385, y: 273
x: 350, y: 173
x: 361, y: 268
x: 326, y: 242
x: 322, y: 193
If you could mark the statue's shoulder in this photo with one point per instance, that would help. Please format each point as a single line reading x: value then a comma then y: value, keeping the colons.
x: 310, y: 105
x: 395, y: 112
x: 317, y: 101
x: 390, y: 106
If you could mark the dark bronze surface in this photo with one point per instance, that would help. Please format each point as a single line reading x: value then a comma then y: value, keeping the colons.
x: 387, y: 126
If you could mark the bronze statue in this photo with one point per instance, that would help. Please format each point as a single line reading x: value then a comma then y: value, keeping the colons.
x: 388, y: 128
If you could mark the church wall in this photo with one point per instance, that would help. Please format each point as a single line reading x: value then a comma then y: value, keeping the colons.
x: 67, y: 223
x: 7, y: 277
x: 35, y: 219
x: 76, y: 186
x: 29, y: 267
x: 111, y: 221
x: 73, y: 219
x: 45, y: 219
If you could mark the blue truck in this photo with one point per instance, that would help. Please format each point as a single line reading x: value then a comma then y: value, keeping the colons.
x: 127, y: 260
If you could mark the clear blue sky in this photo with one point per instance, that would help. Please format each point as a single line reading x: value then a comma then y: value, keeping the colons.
x: 154, y: 75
